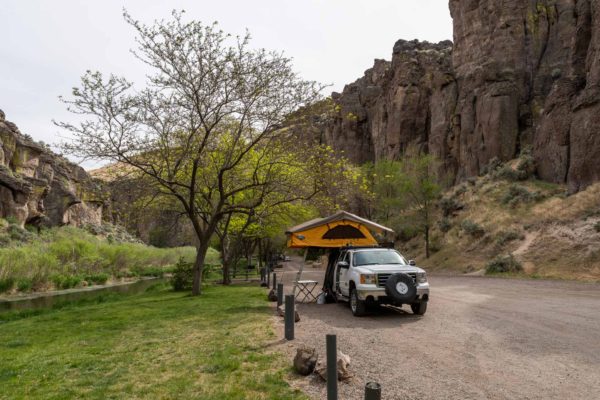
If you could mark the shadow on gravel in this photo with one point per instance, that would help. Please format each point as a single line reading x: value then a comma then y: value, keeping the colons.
x: 339, y: 315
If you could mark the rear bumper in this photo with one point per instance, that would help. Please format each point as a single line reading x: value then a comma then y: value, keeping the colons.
x: 374, y: 293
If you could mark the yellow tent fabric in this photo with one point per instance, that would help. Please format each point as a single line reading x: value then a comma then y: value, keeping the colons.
x: 339, y: 230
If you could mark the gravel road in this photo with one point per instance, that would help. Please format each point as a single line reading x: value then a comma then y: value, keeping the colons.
x: 482, y: 338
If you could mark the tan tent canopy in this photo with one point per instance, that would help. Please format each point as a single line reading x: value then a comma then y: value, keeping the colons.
x: 338, y: 230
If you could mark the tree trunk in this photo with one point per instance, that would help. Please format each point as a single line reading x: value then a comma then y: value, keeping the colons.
x: 201, y: 251
x: 260, y: 254
x: 427, y: 242
x: 226, y: 259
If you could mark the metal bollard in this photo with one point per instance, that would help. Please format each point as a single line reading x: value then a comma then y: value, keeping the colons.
x: 372, y: 391
x: 289, y: 317
x: 279, y: 294
x: 274, y: 280
x: 332, y: 375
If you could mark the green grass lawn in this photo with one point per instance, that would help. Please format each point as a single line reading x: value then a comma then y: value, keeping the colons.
x: 156, y: 345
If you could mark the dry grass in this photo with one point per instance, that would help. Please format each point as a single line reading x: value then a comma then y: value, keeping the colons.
x: 551, y: 234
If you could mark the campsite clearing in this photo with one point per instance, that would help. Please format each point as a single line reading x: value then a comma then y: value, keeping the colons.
x: 482, y: 338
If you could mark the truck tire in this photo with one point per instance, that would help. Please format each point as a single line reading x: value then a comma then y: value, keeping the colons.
x: 401, y: 288
x: 358, y: 307
x: 419, y: 308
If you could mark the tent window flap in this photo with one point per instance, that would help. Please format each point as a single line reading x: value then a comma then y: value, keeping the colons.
x: 344, y: 232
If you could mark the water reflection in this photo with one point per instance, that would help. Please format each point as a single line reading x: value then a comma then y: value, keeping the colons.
x: 47, y: 300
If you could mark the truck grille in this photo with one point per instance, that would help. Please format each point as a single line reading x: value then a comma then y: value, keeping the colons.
x: 382, y: 278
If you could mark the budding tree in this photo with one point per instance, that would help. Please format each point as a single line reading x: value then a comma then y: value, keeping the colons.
x: 204, y: 130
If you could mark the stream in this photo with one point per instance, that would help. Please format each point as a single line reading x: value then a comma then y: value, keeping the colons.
x: 49, y: 299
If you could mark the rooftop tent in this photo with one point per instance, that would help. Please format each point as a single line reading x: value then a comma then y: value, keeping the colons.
x: 338, y: 230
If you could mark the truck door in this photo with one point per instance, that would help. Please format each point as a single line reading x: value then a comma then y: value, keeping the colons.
x: 342, y: 274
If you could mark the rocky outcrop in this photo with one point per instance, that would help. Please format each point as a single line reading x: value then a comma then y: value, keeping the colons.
x: 398, y: 103
x: 519, y: 74
x: 41, y: 188
x: 528, y: 74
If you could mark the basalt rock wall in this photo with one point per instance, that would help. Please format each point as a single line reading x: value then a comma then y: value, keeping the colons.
x: 39, y: 187
x: 519, y: 74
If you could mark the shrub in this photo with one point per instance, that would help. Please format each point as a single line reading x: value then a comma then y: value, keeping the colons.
x: 526, y: 166
x: 18, y: 234
x: 98, y: 279
x: 407, y: 232
x: 506, y: 172
x: 461, y: 189
x: 502, y: 264
x: 491, y: 166
x: 11, y: 220
x: 183, y: 275
x: 507, y: 236
x: 6, y: 284
x: 4, y: 240
x: 65, y: 281
x: 435, y: 246
x: 449, y: 205
x: 444, y: 225
x: 472, y: 228
x: 524, y: 169
x: 150, y: 270
x: 518, y: 194
x: 210, y: 270
x: 24, y: 284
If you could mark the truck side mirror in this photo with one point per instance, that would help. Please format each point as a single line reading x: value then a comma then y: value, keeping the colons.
x: 343, y: 264
x: 412, y: 262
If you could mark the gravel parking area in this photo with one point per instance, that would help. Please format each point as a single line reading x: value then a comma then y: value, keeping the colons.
x: 482, y: 338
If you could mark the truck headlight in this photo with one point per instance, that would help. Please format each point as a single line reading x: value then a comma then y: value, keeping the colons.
x: 368, y: 279
x: 421, y: 277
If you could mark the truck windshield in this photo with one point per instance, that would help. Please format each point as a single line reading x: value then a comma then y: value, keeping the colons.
x: 378, y: 257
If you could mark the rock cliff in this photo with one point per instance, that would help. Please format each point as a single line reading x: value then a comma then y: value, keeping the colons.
x: 39, y: 187
x: 519, y: 74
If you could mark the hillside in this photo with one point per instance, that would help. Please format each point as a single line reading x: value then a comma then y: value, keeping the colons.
x: 485, y: 220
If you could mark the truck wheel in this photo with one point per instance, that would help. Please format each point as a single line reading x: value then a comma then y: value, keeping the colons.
x: 358, y: 307
x: 419, y: 308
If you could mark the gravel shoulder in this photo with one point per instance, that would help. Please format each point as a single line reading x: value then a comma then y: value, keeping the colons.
x: 482, y: 338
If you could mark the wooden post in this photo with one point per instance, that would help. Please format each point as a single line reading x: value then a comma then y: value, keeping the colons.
x: 279, y: 294
x: 332, y: 375
x: 274, y: 280
x: 289, y: 317
x: 372, y: 391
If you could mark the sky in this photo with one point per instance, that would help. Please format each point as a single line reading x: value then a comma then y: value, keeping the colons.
x: 47, y: 45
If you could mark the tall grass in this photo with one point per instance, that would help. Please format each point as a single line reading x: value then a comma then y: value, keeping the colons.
x: 64, y: 252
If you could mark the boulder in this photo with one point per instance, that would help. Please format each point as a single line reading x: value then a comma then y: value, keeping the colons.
x: 281, y: 313
x: 272, y: 296
x: 305, y: 360
x: 343, y: 362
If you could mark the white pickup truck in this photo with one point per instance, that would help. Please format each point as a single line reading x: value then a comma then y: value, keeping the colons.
x: 375, y: 276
